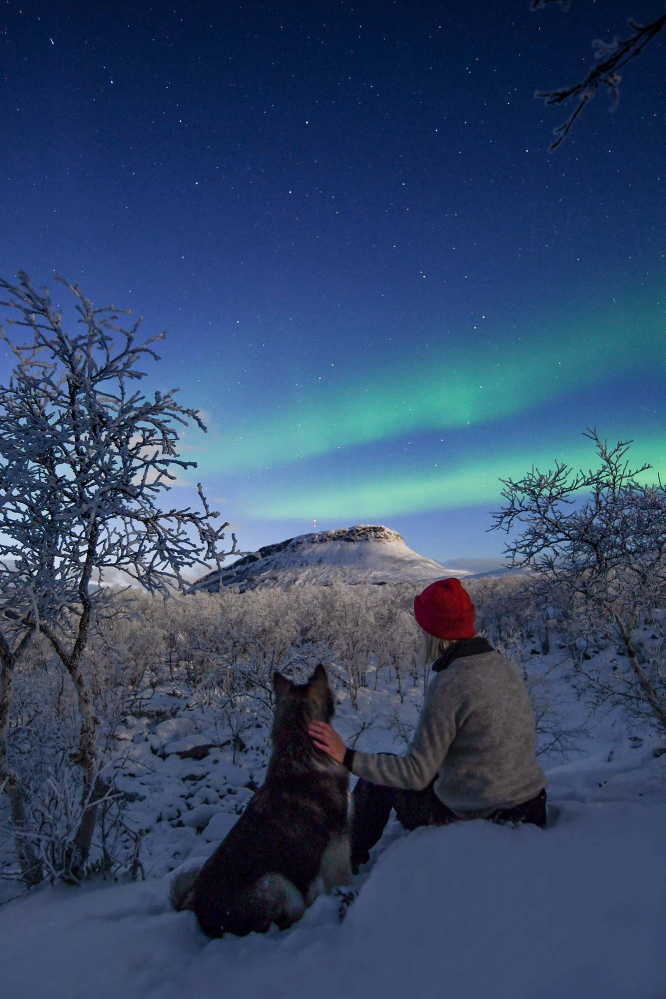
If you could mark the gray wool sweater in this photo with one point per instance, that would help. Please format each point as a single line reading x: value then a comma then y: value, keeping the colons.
x: 475, y: 734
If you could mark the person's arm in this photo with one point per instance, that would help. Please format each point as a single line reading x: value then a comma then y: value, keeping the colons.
x: 434, y: 734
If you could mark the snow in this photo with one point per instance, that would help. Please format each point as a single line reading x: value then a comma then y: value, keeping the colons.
x: 218, y: 827
x: 169, y: 731
x: 188, y: 742
x: 471, y: 910
x: 361, y: 554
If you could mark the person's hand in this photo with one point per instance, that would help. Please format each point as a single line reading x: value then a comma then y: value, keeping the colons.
x: 327, y: 739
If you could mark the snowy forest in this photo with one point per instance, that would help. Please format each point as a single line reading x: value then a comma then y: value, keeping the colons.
x: 183, y: 692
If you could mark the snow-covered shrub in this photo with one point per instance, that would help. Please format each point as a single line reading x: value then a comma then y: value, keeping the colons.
x: 176, y: 681
x: 43, y: 740
x: 224, y: 648
x: 596, y: 540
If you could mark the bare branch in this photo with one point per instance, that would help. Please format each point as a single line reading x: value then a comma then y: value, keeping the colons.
x: 612, y: 57
x: 599, y: 537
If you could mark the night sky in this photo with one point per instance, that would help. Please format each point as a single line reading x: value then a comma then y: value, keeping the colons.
x: 377, y: 283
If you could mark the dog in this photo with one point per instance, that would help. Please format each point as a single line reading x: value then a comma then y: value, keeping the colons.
x: 292, y: 841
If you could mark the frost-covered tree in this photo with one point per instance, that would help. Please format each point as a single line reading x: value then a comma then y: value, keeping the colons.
x: 85, y: 462
x: 598, y: 537
x: 610, y: 57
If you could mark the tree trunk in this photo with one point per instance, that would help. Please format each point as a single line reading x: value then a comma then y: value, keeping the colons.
x: 658, y: 709
x: 31, y: 868
x: 32, y: 872
x: 87, y: 756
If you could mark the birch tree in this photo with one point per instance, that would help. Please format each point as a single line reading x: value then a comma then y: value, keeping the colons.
x: 599, y: 538
x: 86, y: 461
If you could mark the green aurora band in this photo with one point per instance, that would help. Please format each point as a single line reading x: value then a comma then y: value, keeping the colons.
x: 474, y: 483
x: 468, y: 386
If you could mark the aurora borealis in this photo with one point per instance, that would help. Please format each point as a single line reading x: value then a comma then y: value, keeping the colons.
x: 380, y: 288
x: 464, y: 386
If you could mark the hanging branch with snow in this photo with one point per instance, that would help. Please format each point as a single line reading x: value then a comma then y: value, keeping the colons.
x: 611, y: 58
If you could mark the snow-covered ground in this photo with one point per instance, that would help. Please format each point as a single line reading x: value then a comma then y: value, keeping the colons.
x: 471, y: 910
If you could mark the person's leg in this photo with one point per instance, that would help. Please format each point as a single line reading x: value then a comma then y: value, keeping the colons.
x: 532, y: 812
x: 421, y: 808
x: 371, y: 808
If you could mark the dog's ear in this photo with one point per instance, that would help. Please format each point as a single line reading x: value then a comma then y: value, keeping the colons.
x: 281, y: 684
x: 319, y: 677
x: 320, y: 696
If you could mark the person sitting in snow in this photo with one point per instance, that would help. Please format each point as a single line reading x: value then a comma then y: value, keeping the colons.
x: 473, y: 752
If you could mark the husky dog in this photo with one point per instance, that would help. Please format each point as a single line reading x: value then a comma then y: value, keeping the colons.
x: 292, y: 841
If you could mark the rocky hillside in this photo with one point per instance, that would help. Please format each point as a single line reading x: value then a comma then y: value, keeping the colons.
x: 360, y: 554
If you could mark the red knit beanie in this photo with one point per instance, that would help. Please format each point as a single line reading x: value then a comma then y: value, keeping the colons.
x: 445, y: 610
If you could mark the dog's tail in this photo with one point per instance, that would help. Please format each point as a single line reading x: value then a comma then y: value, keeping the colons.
x: 180, y: 890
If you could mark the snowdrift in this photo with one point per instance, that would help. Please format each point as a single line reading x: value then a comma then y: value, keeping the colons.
x: 468, y: 911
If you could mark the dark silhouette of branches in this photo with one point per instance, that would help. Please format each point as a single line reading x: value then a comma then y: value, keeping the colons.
x: 611, y: 57
x: 538, y: 4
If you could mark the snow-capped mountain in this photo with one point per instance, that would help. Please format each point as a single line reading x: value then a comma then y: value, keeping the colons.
x: 360, y: 554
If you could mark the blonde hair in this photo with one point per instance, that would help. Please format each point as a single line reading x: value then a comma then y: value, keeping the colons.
x: 432, y: 648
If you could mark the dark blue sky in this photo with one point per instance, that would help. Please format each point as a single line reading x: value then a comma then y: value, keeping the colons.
x: 376, y: 281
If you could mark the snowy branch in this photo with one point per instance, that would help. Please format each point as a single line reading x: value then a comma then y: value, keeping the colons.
x: 85, y: 459
x: 600, y: 537
x: 611, y: 58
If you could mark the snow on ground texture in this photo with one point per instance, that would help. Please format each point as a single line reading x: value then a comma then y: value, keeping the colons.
x: 469, y: 910
x: 472, y: 910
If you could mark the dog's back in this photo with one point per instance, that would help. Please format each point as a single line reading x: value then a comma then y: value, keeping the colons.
x: 292, y: 841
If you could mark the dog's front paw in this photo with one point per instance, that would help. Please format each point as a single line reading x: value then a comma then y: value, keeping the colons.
x: 346, y: 896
